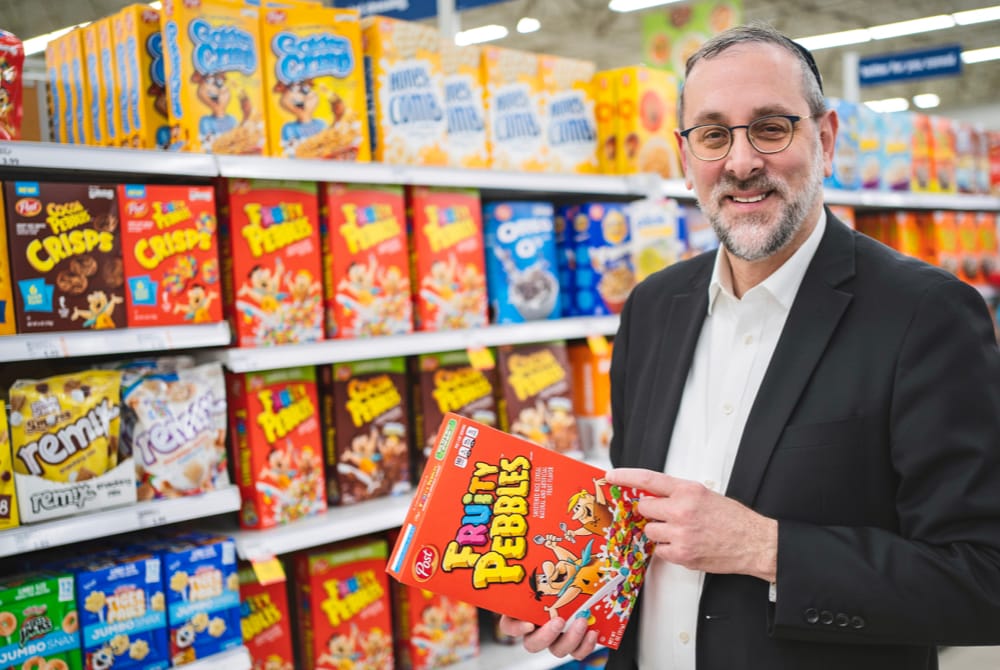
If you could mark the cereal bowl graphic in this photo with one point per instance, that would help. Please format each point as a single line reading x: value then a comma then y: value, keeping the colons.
x: 534, y: 292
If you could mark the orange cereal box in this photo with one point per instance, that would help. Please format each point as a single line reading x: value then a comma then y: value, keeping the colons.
x: 969, y: 249
x: 447, y: 258
x: 172, y: 255
x: 568, y: 113
x: 7, y: 321
x: 606, y: 118
x: 479, y: 531
x: 137, y: 30
x: 647, y: 118
x: 589, y: 367
x: 266, y: 623
x: 366, y: 267
x: 344, y: 607
x: 944, y: 154
x: 514, y: 106
x: 990, y: 261
x: 940, y: 234
x: 213, y: 75
x: 431, y: 630
x: 403, y: 68
x: 271, y: 262
x: 314, y: 83
x: 274, y: 419
x: 464, y: 102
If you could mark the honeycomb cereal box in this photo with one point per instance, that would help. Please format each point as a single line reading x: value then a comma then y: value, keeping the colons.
x: 447, y: 258
x: 647, y: 118
x: 605, y: 271
x: 95, y: 84
x: 171, y: 254
x: 431, y: 630
x: 137, y: 32
x: 606, y: 119
x: 7, y: 321
x: 39, y: 624
x: 464, y: 95
x: 366, y: 270
x: 514, y: 108
x: 212, y: 67
x: 592, y: 397
x: 406, y: 110
x: 568, y: 113
x: 344, y: 607
x: 9, y: 517
x: 275, y: 423
x: 66, y: 258
x: 265, y: 622
x: 272, y: 266
x: 314, y: 83
x: 111, y: 113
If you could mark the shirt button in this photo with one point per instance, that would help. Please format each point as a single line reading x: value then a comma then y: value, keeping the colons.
x: 685, y: 638
x: 748, y: 339
x: 727, y: 409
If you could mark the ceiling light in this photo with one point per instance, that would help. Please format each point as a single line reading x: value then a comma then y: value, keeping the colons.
x: 924, y: 25
x: 156, y: 5
x: 840, y: 39
x: 481, y: 34
x: 977, y: 15
x: 635, y: 5
x: 36, y: 45
x: 889, y: 105
x: 528, y: 25
x: 980, y: 55
x: 926, y: 100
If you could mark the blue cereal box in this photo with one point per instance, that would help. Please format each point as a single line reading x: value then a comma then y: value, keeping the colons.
x: 521, y: 262
x: 566, y: 257
x: 846, y: 158
x: 604, y: 270
x: 896, y: 151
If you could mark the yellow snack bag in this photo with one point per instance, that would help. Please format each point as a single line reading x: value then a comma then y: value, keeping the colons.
x: 8, y: 501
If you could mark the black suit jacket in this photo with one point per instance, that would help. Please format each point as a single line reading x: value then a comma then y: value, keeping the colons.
x: 874, y: 441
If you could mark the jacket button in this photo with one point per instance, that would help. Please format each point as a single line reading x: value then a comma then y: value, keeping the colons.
x: 857, y: 622
x: 842, y: 620
x: 812, y: 615
x: 826, y: 617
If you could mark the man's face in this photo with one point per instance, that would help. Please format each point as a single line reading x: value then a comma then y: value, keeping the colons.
x: 757, y: 203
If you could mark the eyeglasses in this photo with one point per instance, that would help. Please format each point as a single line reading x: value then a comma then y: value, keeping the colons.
x: 768, y: 135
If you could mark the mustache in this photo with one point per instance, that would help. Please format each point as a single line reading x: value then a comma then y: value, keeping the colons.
x: 759, y: 182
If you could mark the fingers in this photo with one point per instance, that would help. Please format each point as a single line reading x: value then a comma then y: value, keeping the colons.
x: 514, y: 628
x: 577, y: 641
x: 650, y: 481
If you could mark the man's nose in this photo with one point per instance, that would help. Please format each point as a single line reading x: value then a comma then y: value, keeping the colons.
x: 743, y: 159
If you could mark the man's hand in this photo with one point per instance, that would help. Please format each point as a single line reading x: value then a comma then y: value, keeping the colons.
x: 577, y: 642
x: 702, y: 530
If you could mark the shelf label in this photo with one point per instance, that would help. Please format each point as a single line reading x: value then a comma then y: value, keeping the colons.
x: 268, y: 570
x: 150, y: 340
x: 481, y: 358
x: 598, y: 345
x: 32, y: 542
x: 149, y: 518
x: 47, y: 348
x: 9, y: 156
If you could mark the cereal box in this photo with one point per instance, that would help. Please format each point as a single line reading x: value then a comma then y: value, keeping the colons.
x: 464, y: 94
x: 172, y: 256
x: 38, y: 622
x: 944, y: 155
x: 606, y: 119
x: 56, y: 100
x: 91, y: 59
x: 344, y: 607
x: 366, y: 263
x: 514, y: 123
x: 966, y: 146
x: 447, y: 258
x: 111, y: 113
x: 592, y: 397
x: 990, y: 261
x: 9, y: 517
x: 536, y: 395
x: 7, y: 321
x: 407, y: 111
x: 521, y: 265
x: 370, y: 418
x: 279, y: 461
x: 213, y: 76
x: 969, y: 250
x: 982, y: 169
x: 265, y: 622
x: 568, y: 114
x: 565, y: 259
x: 896, y: 151
x: 479, y: 531
x: 697, y: 233
x: 432, y: 630
x: 66, y: 259
x: 846, y: 156
x: 137, y: 31
x: 314, y: 83
x: 647, y: 119
x: 939, y: 229
x: 923, y: 177
x: 272, y: 266
x: 845, y: 213
x: 993, y: 153
x: 604, y: 269
x: 11, y: 86
x: 79, y: 92
x: 654, y: 226
x: 869, y: 147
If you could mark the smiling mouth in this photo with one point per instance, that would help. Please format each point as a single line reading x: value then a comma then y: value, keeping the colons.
x: 749, y: 199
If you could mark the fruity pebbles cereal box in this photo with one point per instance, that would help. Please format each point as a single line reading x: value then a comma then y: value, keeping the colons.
x: 39, y: 624
x: 479, y: 531
x: 264, y: 619
x: 172, y: 254
x: 344, y: 607
x: 432, y: 631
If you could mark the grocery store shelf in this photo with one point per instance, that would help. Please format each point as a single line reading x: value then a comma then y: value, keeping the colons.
x: 232, y: 659
x: 338, y: 523
x: 65, y: 157
x: 103, y: 342
x: 335, y: 351
x: 893, y: 200
x: 119, y: 520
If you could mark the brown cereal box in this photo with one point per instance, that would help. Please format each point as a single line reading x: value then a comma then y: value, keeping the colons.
x: 403, y: 66
x: 7, y: 322
x: 66, y: 259
x: 514, y: 106
x: 464, y: 100
x: 9, y: 517
x: 140, y: 51
x: 314, y: 84
x: 536, y: 395
x: 647, y: 118
x: 213, y: 76
x: 568, y: 113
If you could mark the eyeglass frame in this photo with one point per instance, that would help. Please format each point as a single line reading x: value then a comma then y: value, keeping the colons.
x: 791, y: 118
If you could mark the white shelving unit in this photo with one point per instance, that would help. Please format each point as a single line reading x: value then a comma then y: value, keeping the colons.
x: 67, y: 157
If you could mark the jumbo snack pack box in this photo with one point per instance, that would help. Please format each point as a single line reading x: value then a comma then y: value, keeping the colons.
x: 314, y: 82
x: 140, y: 64
x: 432, y: 630
x: 479, y: 530
x: 275, y: 423
x: 171, y: 254
x: 39, y: 624
x: 9, y: 517
x: 646, y: 101
x: 7, y: 320
x: 212, y: 67
x: 366, y: 262
x: 265, y: 622
x: 271, y: 262
x: 568, y: 113
x: 464, y: 93
x: 514, y: 104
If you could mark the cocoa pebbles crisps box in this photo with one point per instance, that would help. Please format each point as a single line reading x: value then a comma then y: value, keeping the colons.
x: 66, y: 259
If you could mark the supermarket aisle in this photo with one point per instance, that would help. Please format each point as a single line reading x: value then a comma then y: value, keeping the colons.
x: 970, y: 658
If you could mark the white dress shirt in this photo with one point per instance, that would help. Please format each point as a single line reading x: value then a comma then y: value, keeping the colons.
x: 733, y: 351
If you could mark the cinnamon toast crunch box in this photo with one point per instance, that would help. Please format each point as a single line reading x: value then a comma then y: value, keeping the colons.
x: 265, y: 621
x: 568, y: 113
x: 514, y: 104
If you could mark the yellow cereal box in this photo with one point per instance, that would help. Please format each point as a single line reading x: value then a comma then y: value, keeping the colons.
x: 606, y: 116
x: 213, y: 75
x: 314, y: 82
x: 464, y: 95
x: 403, y: 65
x: 137, y: 32
x: 647, y: 118
x: 107, y: 83
x: 513, y: 110
x: 7, y: 320
x: 8, y: 501
x: 95, y: 84
x: 58, y: 109
x: 79, y: 93
x: 568, y: 113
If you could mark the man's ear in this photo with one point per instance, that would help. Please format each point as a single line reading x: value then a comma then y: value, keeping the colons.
x: 828, y: 126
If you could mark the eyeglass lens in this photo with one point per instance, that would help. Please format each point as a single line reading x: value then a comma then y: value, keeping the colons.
x: 767, y: 135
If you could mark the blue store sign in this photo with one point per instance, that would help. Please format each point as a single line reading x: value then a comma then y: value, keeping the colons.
x: 409, y: 10
x: 943, y: 61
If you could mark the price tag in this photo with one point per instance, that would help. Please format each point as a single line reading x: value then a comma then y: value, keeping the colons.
x: 150, y: 340
x: 149, y: 518
x: 268, y: 570
x: 9, y: 156
x: 47, y: 348
x: 481, y: 358
x: 598, y: 345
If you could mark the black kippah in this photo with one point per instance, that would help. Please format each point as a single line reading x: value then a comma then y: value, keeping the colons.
x: 810, y: 61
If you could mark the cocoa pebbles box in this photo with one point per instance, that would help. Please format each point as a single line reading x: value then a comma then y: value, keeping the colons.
x: 39, y: 624
x: 66, y: 258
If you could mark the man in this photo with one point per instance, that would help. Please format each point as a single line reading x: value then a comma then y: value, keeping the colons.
x: 816, y: 416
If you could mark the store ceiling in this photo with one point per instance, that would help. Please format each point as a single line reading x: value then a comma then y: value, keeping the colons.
x: 587, y: 29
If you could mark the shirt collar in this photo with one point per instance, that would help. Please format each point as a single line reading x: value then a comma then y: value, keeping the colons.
x: 783, y: 283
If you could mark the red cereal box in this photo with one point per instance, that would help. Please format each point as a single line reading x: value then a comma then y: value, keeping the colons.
x: 448, y: 261
x: 366, y: 272
x: 344, y: 607
x: 171, y: 254
x: 431, y: 630
x: 272, y: 268
x: 264, y: 618
x: 274, y: 417
x: 479, y: 530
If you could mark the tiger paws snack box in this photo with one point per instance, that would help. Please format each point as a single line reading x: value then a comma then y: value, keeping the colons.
x: 432, y: 631
x: 39, y: 623
x: 480, y: 530
x: 171, y: 254
x: 275, y: 423
x: 344, y: 607
x: 265, y: 622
